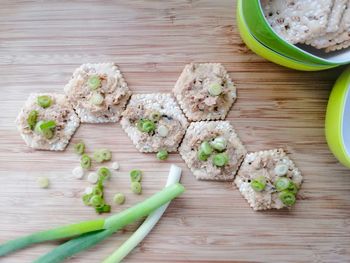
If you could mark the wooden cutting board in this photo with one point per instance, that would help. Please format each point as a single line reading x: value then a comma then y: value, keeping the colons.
x: 43, y: 42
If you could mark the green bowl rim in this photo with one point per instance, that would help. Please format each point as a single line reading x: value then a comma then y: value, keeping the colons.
x: 335, y: 115
x: 266, y: 52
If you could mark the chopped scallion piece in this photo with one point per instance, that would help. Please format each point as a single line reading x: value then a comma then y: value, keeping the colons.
x: 97, y: 98
x: 145, y: 125
x: 136, y: 187
x: 258, y: 184
x: 103, y: 209
x: 98, y: 156
x: 85, y: 161
x: 202, y: 156
x: 78, y: 172
x: 219, y: 144
x: 96, y: 200
x: 282, y: 184
x: 206, y: 148
x: 215, y: 89
x: 281, y: 169
x: 119, y: 198
x: 43, y: 182
x: 32, y: 119
x: 86, y: 199
x: 92, y: 178
x: 79, y: 148
x: 45, y: 128
x: 292, y: 187
x: 115, y: 166
x: 135, y: 175
x: 44, y: 101
x: 287, y: 198
x: 220, y: 159
x: 163, y: 131
x: 162, y: 155
x: 104, y: 173
x: 106, y: 154
x: 94, y: 82
x: 155, y: 116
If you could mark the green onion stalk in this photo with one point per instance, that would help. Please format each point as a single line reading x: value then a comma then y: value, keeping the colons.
x: 112, y: 224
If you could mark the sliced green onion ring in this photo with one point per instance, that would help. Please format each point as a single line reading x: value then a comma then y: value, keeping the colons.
x: 119, y: 198
x: 97, y: 98
x: 85, y: 161
x: 135, y: 175
x: 94, y: 82
x: 32, y: 119
x: 215, y: 89
x: 44, y: 101
x: 258, y: 184
x: 206, y: 148
x: 79, y: 148
x: 162, y: 155
x: 104, y: 172
x: 282, y: 184
x: 220, y: 159
x: 219, y: 144
x: 145, y: 125
x: 136, y: 188
x: 287, y: 198
x: 202, y: 156
x: 106, y: 154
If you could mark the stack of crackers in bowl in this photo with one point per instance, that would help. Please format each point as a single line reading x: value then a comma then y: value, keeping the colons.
x: 315, y: 33
x: 322, y: 24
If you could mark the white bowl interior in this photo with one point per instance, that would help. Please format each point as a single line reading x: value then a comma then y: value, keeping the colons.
x: 346, y: 122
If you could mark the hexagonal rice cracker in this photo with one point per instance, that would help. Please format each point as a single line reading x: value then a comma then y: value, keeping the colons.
x: 207, y: 131
x: 170, y: 128
x: 60, y: 111
x: 263, y: 163
x: 113, y: 93
x: 192, y: 91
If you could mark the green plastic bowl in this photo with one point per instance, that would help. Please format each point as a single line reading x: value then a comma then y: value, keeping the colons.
x: 338, y: 119
x: 261, y: 30
x: 267, y: 53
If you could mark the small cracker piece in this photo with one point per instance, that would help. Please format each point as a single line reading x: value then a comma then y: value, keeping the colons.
x: 336, y: 15
x: 141, y: 106
x: 340, y: 46
x: 201, y: 131
x: 60, y: 111
x: 113, y: 89
x: 331, y: 39
x: 297, y: 20
x: 263, y: 163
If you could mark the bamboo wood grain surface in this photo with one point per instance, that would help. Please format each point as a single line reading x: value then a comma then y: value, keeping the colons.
x: 42, y: 42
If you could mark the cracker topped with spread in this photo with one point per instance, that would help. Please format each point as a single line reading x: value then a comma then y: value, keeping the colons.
x: 47, y: 121
x: 212, y: 150
x: 205, y: 91
x: 268, y: 179
x: 98, y: 92
x: 154, y: 122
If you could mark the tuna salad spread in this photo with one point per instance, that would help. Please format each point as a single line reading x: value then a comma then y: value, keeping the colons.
x: 268, y: 179
x: 212, y: 150
x: 154, y: 122
x: 47, y: 121
x: 98, y: 92
x: 205, y: 91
